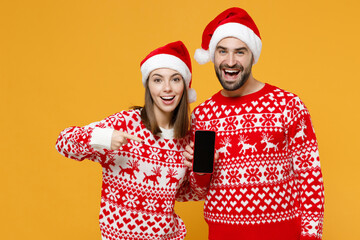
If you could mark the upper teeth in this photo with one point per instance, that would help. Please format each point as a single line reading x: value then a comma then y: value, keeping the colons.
x: 231, y: 71
x: 167, y: 98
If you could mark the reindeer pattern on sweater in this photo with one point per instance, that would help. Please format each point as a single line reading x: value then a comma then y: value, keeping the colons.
x: 141, y: 181
x: 269, y: 169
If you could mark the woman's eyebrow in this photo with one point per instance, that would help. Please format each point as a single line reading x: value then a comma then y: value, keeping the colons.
x: 175, y: 74
x: 156, y: 74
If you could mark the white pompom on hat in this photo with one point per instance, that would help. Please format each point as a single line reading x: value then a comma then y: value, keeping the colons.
x: 174, y: 56
x: 233, y: 22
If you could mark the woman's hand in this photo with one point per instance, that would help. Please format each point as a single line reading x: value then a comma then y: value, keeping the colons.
x: 119, y: 139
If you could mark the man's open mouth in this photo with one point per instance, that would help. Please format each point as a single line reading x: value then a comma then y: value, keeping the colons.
x: 230, y: 72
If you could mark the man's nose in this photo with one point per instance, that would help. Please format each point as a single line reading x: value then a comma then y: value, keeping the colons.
x: 231, y: 60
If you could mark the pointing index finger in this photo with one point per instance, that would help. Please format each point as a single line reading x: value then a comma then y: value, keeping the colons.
x: 132, y: 137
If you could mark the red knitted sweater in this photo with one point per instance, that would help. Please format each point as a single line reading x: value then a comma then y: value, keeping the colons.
x: 140, y: 181
x: 267, y: 183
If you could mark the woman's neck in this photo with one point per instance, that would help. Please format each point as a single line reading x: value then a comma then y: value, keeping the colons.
x: 163, y: 119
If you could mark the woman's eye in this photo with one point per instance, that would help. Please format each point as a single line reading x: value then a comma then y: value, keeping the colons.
x: 157, y: 80
x: 176, y: 79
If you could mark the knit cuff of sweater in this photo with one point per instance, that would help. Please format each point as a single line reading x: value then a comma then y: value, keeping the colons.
x: 101, y: 138
x: 202, y: 180
x: 309, y: 238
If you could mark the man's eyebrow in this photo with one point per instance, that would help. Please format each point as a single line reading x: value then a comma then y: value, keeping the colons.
x: 241, y: 49
x: 236, y: 49
x: 220, y: 47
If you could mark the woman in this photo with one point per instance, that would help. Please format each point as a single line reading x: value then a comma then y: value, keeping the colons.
x: 140, y: 151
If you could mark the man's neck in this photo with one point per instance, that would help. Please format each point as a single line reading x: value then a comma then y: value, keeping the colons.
x: 252, y: 85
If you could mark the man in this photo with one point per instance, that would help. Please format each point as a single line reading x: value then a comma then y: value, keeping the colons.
x: 267, y: 182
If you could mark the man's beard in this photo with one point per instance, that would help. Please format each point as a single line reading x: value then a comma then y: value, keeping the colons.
x: 244, y: 76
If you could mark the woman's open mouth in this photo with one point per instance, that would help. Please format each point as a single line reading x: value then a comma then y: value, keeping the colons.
x: 168, y: 100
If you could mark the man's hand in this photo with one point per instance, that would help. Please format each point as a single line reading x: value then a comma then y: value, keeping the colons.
x: 119, y: 139
x: 189, y: 155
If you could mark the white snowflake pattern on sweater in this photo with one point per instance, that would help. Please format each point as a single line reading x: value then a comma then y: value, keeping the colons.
x: 141, y: 181
x: 268, y: 176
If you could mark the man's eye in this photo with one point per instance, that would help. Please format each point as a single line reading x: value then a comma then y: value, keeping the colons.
x: 240, y: 53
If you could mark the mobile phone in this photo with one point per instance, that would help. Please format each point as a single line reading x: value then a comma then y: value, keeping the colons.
x: 204, y: 150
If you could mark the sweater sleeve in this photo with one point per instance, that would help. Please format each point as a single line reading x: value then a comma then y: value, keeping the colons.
x: 303, y: 149
x: 194, y: 187
x: 91, y: 141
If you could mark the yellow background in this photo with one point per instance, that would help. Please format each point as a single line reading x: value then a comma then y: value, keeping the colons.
x: 72, y: 62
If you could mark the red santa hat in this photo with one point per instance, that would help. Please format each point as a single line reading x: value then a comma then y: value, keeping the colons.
x: 174, y: 56
x: 233, y: 22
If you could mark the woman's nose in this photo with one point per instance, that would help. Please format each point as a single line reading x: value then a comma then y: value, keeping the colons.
x: 167, y: 86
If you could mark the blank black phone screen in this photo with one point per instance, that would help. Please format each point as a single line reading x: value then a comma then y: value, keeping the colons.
x: 204, y: 149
